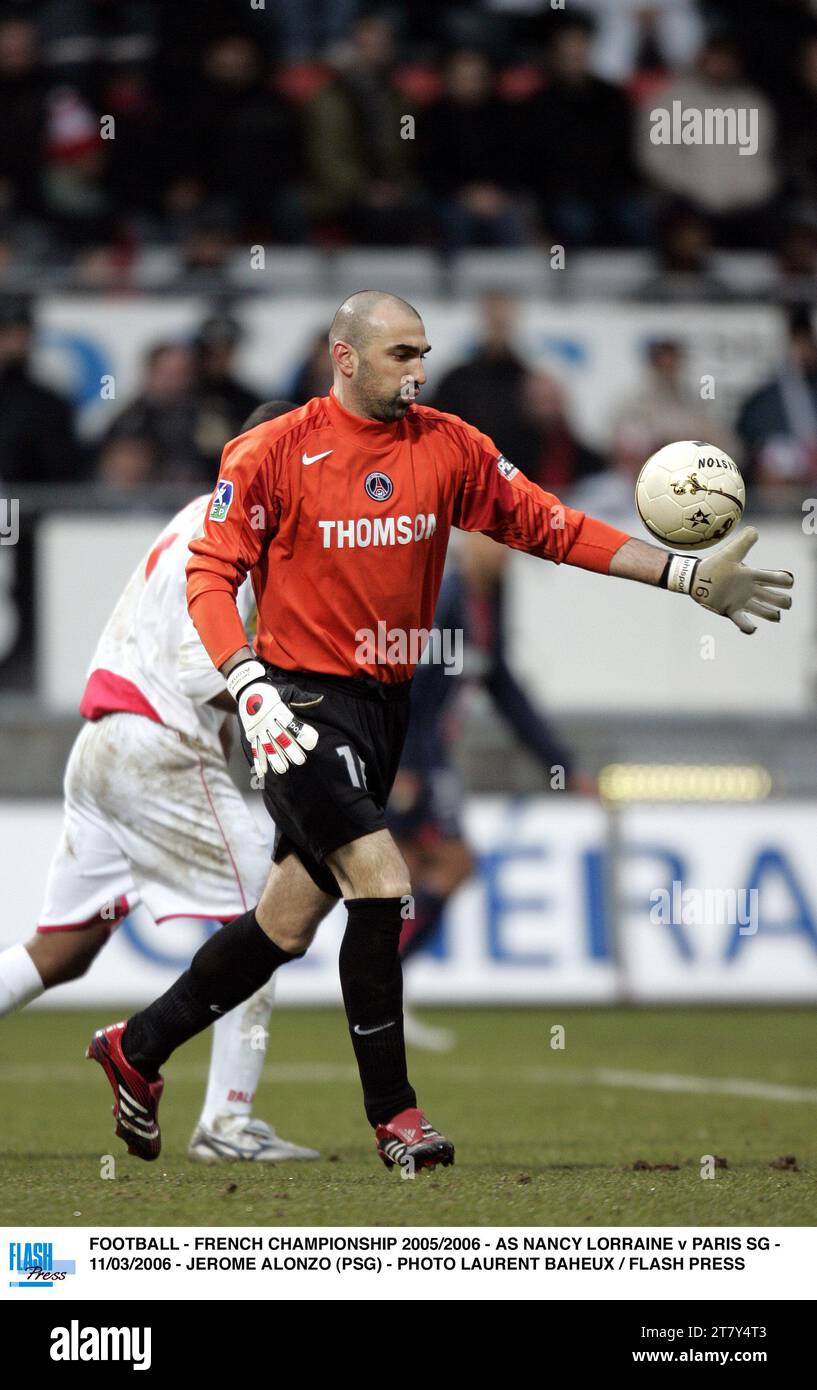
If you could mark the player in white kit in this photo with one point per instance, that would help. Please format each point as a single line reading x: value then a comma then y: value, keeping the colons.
x: 153, y: 816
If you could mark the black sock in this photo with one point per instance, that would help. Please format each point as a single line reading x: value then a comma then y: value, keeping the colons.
x: 371, y: 978
x: 231, y: 965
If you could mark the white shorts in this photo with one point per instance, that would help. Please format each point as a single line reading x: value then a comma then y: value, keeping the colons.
x: 151, y: 817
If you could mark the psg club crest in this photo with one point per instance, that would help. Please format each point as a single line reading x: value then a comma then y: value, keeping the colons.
x: 379, y: 487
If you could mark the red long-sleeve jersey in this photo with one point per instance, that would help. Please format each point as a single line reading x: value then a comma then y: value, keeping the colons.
x: 343, y: 523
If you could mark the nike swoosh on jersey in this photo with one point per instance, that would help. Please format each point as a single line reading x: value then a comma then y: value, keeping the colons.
x: 362, y: 1032
x: 306, y: 459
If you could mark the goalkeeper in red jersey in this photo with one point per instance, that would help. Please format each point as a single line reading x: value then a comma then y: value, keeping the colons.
x: 341, y: 513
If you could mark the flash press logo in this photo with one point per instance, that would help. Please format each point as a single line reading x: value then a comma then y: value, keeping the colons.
x: 75, y: 1343
x: 32, y: 1265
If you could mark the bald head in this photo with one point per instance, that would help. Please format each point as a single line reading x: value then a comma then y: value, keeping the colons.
x: 363, y: 314
x: 377, y: 343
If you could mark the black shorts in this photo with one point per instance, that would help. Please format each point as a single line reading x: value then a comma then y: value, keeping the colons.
x: 340, y: 792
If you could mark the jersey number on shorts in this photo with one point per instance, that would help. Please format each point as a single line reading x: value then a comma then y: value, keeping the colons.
x: 354, y: 765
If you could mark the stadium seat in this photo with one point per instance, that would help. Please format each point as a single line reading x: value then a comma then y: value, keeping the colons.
x: 287, y: 270
x: 745, y: 272
x: 523, y: 272
x: 606, y: 274
x: 406, y: 270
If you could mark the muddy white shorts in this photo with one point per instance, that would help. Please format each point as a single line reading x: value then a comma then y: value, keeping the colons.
x: 151, y: 817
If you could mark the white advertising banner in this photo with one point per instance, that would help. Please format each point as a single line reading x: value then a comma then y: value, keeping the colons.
x: 582, y: 644
x: 696, y: 904
x: 718, y: 902
x: 70, y: 585
x: 595, y: 349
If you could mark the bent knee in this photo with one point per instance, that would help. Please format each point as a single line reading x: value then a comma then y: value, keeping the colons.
x: 394, y: 888
x: 371, y: 868
x: 293, y: 936
x: 72, y: 970
x: 64, y: 956
x: 373, y: 885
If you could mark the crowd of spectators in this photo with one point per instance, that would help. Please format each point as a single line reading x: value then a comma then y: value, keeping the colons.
x: 126, y: 126
x: 332, y: 122
x: 188, y: 404
x: 190, y: 400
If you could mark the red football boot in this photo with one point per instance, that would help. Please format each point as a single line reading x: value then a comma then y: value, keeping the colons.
x: 410, y: 1141
x: 136, y: 1099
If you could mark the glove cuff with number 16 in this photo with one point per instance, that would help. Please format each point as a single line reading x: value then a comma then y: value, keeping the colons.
x: 721, y: 583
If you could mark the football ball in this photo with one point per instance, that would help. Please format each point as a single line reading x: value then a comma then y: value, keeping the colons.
x: 690, y: 494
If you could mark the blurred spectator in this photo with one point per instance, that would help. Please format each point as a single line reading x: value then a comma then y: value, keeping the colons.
x: 465, y: 138
x: 22, y: 116
x: 126, y: 463
x: 222, y: 403
x: 313, y: 376
x: 577, y: 154
x: 509, y: 26
x: 314, y: 28
x: 96, y: 268
x: 663, y: 407
x: 771, y: 37
x: 73, y: 191
x: 238, y: 144
x: 685, y: 270
x: 778, y: 422
x: 552, y: 455
x: 37, y: 440
x: 136, y: 157
x: 207, y: 248
x: 733, y: 189
x: 107, y: 53
x: 610, y: 494
x: 359, y: 164
x: 91, y: 42
x: 797, y: 259
x: 163, y: 416
x: 485, y: 390
x: 635, y: 34
x: 798, y: 141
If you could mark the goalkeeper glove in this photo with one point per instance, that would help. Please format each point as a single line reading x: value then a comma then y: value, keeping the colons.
x: 276, y: 736
x: 722, y: 584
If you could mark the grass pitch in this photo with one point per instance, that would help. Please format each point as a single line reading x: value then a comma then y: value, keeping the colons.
x: 543, y: 1136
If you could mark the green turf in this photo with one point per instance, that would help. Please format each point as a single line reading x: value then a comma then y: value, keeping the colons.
x: 539, y: 1139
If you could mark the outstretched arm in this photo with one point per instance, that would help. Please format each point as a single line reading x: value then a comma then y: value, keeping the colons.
x: 497, y: 499
x: 719, y: 582
x: 640, y: 561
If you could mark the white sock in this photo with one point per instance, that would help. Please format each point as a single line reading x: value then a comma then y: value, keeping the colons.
x: 19, y: 979
x: 239, y: 1049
